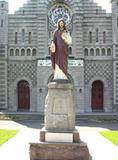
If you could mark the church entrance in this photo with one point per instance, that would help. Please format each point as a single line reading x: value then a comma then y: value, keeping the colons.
x: 97, y: 96
x: 23, y: 95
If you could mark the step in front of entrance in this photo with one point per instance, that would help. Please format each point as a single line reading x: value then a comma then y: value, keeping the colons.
x: 21, y: 116
x: 85, y: 117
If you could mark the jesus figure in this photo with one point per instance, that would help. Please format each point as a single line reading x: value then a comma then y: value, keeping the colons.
x: 59, y: 57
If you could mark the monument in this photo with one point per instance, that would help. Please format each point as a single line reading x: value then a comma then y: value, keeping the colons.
x: 59, y: 139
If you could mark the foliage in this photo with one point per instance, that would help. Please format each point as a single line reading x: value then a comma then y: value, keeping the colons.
x: 5, y: 135
x: 111, y: 135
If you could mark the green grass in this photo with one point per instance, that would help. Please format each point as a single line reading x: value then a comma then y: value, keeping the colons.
x: 5, y: 135
x: 111, y: 135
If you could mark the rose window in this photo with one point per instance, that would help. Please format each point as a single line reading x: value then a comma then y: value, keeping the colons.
x: 60, y: 11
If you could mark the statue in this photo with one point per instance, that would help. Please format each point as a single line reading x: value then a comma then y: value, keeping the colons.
x: 59, y: 51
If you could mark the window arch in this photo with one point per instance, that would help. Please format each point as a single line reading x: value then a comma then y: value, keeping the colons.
x: 2, y: 5
x: 23, y: 35
x: 97, y: 34
x: 86, y: 51
x: 104, y: 37
x: 28, y: 52
x: 2, y: 22
x: 22, y: 52
x: 34, y: 52
x: 70, y: 50
x: 109, y: 52
x: 11, y: 52
x: 103, y: 52
x: 97, y: 52
x: 23, y: 12
x: 91, y: 52
x: 90, y: 37
x: 97, y: 11
x: 17, y: 52
x: 16, y: 37
x: 29, y: 37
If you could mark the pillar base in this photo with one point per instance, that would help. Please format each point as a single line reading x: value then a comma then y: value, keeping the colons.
x: 48, y: 136
x: 59, y: 151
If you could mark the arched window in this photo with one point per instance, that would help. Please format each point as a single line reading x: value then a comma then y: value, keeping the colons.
x: 70, y: 50
x: 28, y: 52
x: 16, y: 37
x: 97, y: 35
x: 2, y: 5
x: 91, y: 52
x: 97, y: 52
x: 23, y: 52
x: 11, y: 52
x: 29, y: 37
x: 34, y: 52
x: 109, y: 52
x: 103, y: 52
x: 49, y: 51
x: 104, y: 37
x: 23, y: 35
x: 96, y: 11
x: 23, y: 12
x: 86, y: 52
x: 90, y: 37
x: 17, y: 52
x: 2, y: 22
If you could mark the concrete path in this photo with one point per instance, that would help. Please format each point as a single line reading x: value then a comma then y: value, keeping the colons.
x: 18, y: 147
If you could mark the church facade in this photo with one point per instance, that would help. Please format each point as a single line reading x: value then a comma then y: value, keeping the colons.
x: 25, y: 65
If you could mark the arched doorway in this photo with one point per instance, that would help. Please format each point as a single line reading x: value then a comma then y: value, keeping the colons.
x: 23, y: 95
x: 97, y: 96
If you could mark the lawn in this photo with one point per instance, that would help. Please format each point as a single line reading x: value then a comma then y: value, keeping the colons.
x: 111, y: 135
x: 5, y: 135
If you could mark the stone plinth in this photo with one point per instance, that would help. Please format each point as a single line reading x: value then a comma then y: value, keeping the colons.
x: 46, y: 136
x: 59, y: 151
x: 60, y: 108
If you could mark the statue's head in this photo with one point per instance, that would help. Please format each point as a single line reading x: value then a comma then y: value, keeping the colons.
x: 61, y: 24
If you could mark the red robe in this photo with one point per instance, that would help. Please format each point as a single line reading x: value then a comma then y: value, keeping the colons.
x: 60, y: 57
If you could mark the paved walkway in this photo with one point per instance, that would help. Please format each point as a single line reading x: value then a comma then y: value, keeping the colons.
x: 18, y: 147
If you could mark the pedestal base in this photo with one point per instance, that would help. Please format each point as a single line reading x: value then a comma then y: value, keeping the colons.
x: 46, y: 136
x: 59, y: 151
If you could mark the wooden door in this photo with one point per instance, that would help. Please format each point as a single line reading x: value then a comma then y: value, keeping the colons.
x: 97, y: 96
x: 23, y: 95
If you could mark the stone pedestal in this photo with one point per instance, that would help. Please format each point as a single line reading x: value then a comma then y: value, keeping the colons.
x: 59, y: 140
x: 60, y: 108
x: 59, y: 151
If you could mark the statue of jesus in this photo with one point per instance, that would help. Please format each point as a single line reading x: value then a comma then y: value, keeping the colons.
x: 59, y: 56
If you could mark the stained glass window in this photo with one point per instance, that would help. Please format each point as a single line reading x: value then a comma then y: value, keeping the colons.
x: 59, y: 11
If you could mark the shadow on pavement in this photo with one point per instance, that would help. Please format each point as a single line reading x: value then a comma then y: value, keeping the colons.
x: 38, y: 124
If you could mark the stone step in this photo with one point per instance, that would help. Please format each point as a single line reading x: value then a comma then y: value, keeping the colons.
x: 91, y: 117
x: 97, y: 117
x: 21, y: 116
